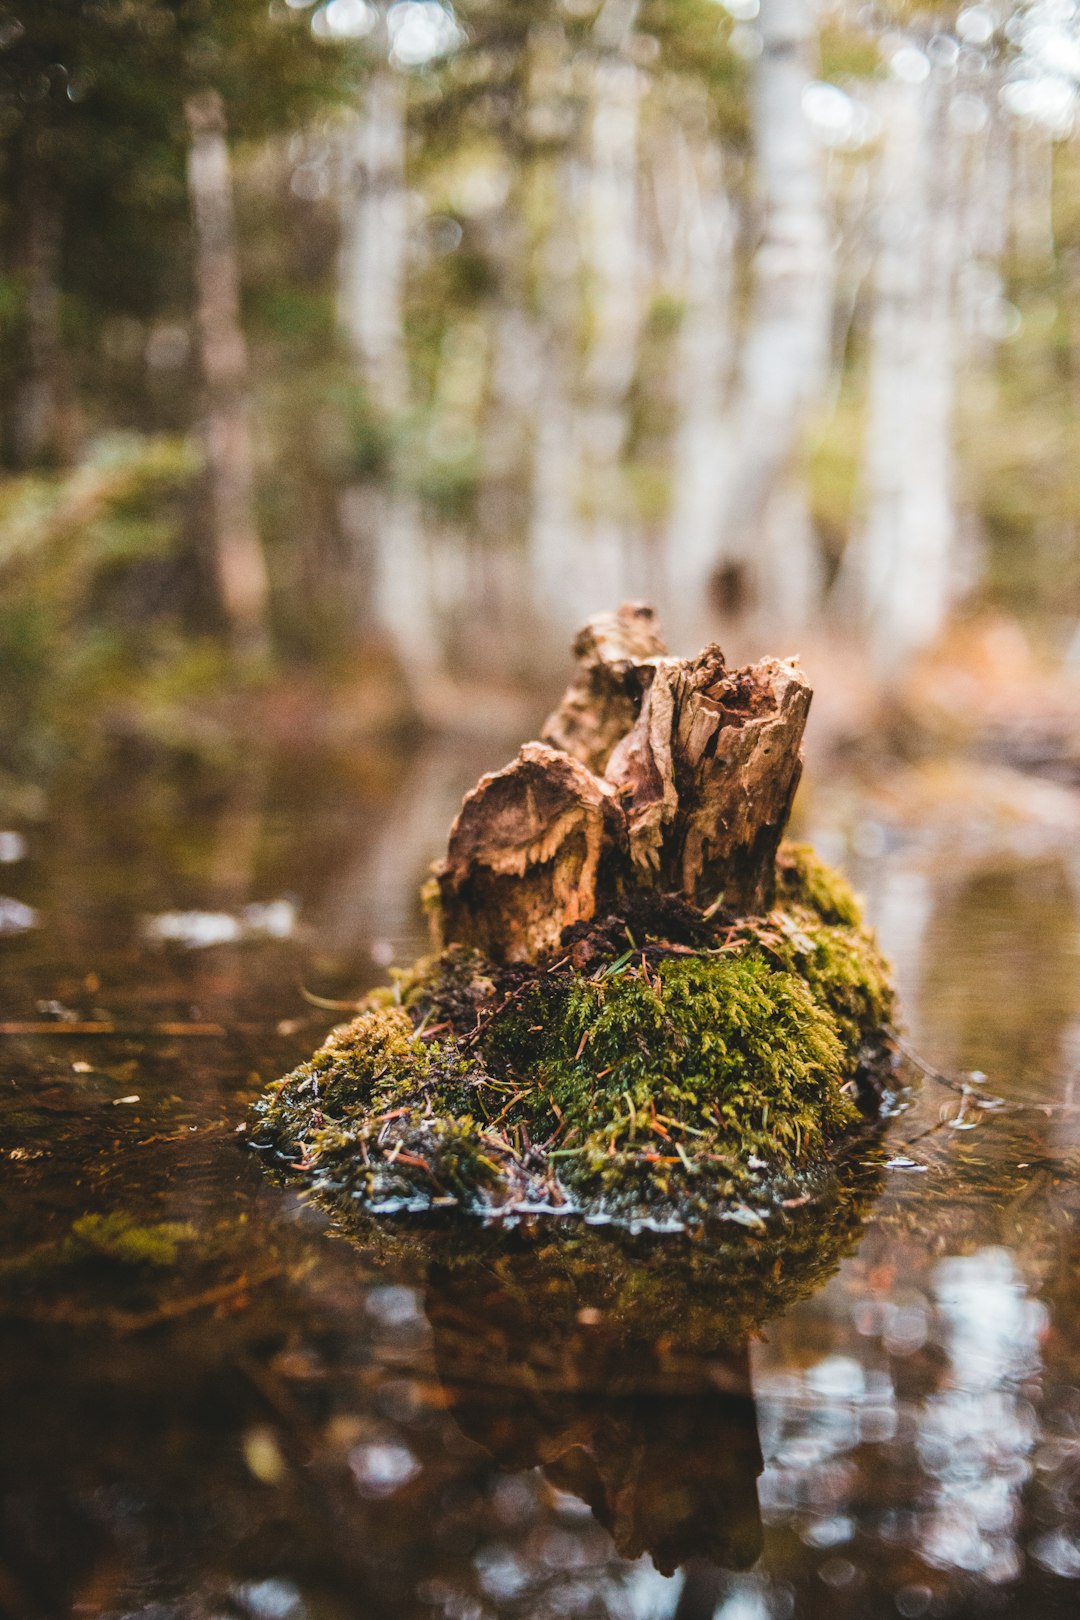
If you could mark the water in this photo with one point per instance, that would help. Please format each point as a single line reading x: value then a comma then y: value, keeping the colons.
x: 214, y: 1406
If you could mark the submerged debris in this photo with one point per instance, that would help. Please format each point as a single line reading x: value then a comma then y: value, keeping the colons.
x: 639, y: 1010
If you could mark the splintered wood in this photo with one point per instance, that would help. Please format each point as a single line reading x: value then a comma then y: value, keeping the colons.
x: 654, y: 772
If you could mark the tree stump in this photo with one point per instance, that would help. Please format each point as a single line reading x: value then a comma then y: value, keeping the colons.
x: 672, y: 774
x: 525, y: 855
x: 638, y: 1009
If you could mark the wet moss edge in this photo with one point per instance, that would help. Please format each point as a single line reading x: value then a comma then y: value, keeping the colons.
x: 666, y: 1066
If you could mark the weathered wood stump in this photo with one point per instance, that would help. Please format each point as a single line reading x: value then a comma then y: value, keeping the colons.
x: 640, y: 1004
x: 675, y: 774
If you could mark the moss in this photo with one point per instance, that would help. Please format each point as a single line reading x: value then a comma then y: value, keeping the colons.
x: 825, y: 943
x: 803, y: 880
x: 117, y: 1237
x: 668, y: 1066
x: 655, y: 1078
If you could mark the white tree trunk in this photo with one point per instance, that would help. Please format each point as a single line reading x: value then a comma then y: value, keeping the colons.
x: 374, y: 236
x: 614, y: 285
x: 785, y: 355
x: 388, y: 522
x: 241, y: 566
x: 906, y: 552
x: 702, y: 274
x: 612, y: 251
x: 554, y: 535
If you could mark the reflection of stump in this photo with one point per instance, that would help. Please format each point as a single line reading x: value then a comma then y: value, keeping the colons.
x: 655, y: 773
x: 664, y: 1448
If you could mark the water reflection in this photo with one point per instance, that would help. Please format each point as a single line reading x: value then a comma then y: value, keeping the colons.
x: 657, y: 1437
x: 216, y: 1407
x: 953, y: 1433
x: 976, y: 1434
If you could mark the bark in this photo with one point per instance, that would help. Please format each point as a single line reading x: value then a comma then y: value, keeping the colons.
x: 603, y: 701
x: 692, y: 799
x: 525, y: 853
x: 704, y: 356
x: 708, y: 774
x: 386, y: 527
x: 554, y: 530
x: 374, y: 251
x: 615, y: 282
x: 611, y: 235
x: 592, y: 246
x: 241, y: 565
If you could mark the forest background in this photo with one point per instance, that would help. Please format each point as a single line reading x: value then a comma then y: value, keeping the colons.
x: 352, y: 354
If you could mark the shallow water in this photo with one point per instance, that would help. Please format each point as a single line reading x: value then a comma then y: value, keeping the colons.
x: 214, y: 1406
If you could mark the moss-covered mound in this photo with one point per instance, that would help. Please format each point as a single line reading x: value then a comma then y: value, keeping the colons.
x: 666, y: 1065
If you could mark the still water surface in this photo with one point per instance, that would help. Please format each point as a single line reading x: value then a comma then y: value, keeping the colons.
x: 213, y: 1406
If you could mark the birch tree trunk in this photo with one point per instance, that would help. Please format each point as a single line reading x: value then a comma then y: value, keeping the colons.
x: 704, y: 353
x: 241, y: 565
x: 390, y: 554
x: 613, y: 264
x: 554, y: 533
x: 578, y: 560
x: 785, y: 354
x: 614, y: 284
x: 387, y: 522
x: 906, y: 550
x: 374, y: 236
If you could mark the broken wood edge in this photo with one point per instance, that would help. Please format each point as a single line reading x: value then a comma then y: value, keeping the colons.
x: 700, y: 768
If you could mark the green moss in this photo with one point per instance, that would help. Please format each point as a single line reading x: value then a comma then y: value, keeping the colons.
x: 116, y: 1237
x: 658, y: 1078
x: 804, y: 880
x: 654, y: 1078
x: 825, y: 943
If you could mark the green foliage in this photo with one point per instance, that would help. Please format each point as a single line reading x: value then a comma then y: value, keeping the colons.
x: 693, y: 37
x: 335, y: 1113
x: 706, y: 1061
x: 663, y: 1082
x: 94, y: 147
x: 90, y: 597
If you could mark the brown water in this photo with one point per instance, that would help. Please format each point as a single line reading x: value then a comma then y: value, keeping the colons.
x: 213, y: 1406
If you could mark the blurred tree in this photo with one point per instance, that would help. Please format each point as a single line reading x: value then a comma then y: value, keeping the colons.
x: 241, y: 566
x: 556, y: 300
x: 92, y: 192
x: 762, y: 535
